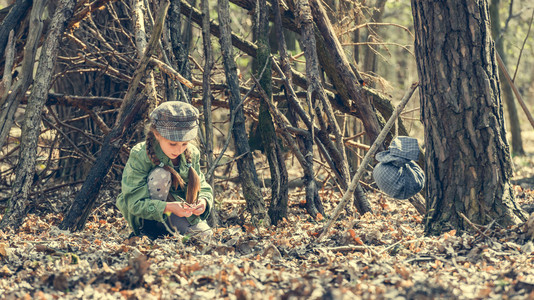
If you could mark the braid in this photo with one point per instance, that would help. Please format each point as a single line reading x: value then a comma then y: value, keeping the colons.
x: 193, y: 180
x: 176, y: 178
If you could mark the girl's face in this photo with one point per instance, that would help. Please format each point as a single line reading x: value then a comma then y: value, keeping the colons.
x: 170, y: 148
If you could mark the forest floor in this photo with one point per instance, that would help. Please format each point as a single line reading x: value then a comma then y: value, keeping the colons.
x: 380, y: 256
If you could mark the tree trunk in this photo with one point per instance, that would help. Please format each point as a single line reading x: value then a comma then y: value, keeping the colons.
x: 140, y: 43
x: 513, y: 118
x: 31, y: 128
x: 7, y: 80
x: 369, y: 61
x: 83, y: 203
x: 180, y: 47
x: 12, y: 20
x: 269, y: 139
x: 245, y: 163
x: 468, y: 165
x: 304, y: 142
x: 206, y: 99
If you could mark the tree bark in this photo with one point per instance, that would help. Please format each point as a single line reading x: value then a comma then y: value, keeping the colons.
x: 270, y: 144
x: 245, y: 163
x: 468, y: 165
x: 5, y: 83
x: 513, y: 118
x: 206, y: 99
x: 31, y: 128
x: 141, y: 42
x: 83, y: 203
x: 179, y: 39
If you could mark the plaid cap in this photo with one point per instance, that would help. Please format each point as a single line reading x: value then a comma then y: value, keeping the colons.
x: 176, y: 121
x: 401, y: 147
x: 397, y: 174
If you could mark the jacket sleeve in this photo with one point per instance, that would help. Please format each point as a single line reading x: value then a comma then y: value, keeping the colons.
x: 206, y: 191
x: 135, y: 188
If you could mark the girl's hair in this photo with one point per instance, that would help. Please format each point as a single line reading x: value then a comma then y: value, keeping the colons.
x: 193, y: 186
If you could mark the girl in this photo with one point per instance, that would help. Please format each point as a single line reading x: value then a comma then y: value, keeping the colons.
x: 162, y: 186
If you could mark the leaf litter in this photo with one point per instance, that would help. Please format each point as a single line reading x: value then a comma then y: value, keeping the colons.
x: 379, y: 256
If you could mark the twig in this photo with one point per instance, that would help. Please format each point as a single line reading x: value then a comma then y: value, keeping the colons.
x: 424, y: 258
x: 58, y: 121
x: 59, y: 186
x: 420, y: 258
x: 523, y: 46
x: 376, y: 24
x: 89, y: 7
x: 510, y: 17
x: 66, y: 137
x: 473, y: 225
x: 96, y: 118
x: 10, y: 152
x: 381, y: 136
x: 405, y: 47
x: 347, y: 248
x: 171, y: 72
x: 353, y: 144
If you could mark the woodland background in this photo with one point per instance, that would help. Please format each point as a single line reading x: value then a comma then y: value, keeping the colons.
x: 381, y: 254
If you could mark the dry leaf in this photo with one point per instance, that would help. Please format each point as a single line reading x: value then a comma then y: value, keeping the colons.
x: 3, y: 250
x: 5, y: 271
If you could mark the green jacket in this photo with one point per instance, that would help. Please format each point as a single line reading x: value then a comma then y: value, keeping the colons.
x: 134, y: 200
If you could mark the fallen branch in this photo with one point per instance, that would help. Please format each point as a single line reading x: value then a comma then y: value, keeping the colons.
x: 514, y: 88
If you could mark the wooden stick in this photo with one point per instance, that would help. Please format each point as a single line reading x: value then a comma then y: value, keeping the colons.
x: 368, y: 156
x: 514, y: 88
x: 347, y: 248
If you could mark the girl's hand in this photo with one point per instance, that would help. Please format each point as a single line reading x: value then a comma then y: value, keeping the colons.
x: 200, y: 208
x: 180, y: 209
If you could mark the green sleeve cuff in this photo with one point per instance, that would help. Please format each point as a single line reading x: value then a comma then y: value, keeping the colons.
x: 207, y: 211
x: 155, y: 211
